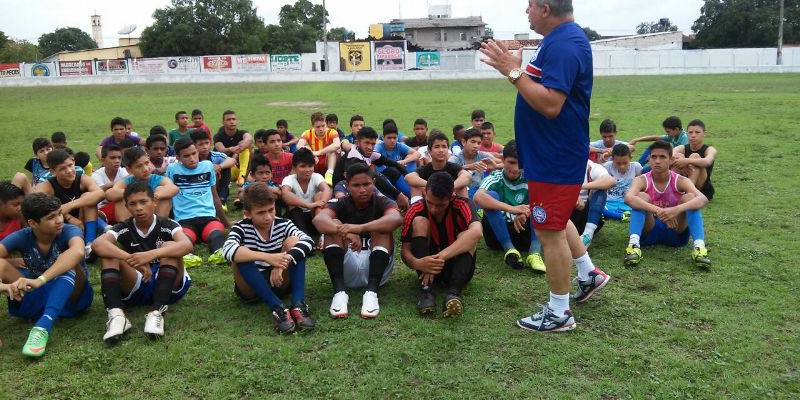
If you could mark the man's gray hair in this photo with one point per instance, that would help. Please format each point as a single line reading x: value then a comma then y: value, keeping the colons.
x: 559, y: 8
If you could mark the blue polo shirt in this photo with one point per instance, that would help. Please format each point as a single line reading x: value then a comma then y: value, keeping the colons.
x: 555, y: 150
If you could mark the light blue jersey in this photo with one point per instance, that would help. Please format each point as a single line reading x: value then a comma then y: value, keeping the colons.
x: 195, y: 198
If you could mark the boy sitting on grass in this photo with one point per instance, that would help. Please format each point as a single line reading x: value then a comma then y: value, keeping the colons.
x: 323, y: 143
x: 260, y: 172
x: 673, y: 134
x: 157, y: 148
x: 140, y: 169
x: 280, y: 160
x: 503, y: 195
x: 305, y: 192
x: 288, y: 138
x: 438, y: 148
x: 474, y: 161
x: 268, y: 254
x: 488, y: 144
x: 601, y: 149
x: 696, y: 159
x: 10, y: 215
x: 54, y: 281
x: 624, y: 171
x: 146, y: 268
x: 37, y: 166
x: 106, y: 177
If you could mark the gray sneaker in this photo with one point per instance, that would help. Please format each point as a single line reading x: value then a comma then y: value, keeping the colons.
x: 547, y: 321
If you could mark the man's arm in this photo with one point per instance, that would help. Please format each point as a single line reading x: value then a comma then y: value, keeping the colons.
x: 166, y: 189
x: 650, y: 138
x: 330, y: 148
x: 634, y: 201
x: 604, y: 182
x: 218, y: 207
x: 699, y: 201
x: 414, y: 180
x: 411, y: 157
x: 463, y: 180
x: 105, y: 246
x: 117, y: 191
x: 91, y: 196
x: 387, y: 223
x: 324, y: 222
x: 302, y: 142
x: 490, y: 203
x: 704, y: 162
x: 292, y: 199
x: 67, y: 260
x: 466, y: 241
x: 228, y: 163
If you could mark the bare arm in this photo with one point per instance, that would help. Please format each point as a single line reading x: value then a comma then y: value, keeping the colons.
x: 487, y: 202
x: 414, y: 180
x: 218, y: 206
x: 325, y: 224
x: 116, y: 192
x: 463, y: 180
x: 329, y: 148
x: 166, y: 189
x: 293, y: 200
x: 650, y: 138
x: 634, y: 201
x: 105, y: 246
x: 411, y: 157
x: 604, y: 182
x: 699, y: 201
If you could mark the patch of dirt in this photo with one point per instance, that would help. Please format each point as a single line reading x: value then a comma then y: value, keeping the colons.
x: 304, y: 104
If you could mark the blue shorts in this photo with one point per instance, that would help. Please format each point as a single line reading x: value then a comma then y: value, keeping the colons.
x: 142, y: 292
x: 660, y: 234
x: 32, y: 305
x: 617, y: 205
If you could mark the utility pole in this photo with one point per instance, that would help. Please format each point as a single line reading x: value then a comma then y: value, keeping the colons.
x: 780, y: 37
x: 325, y: 36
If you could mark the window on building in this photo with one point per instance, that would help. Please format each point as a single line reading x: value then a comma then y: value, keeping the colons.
x: 438, y: 35
x: 463, y: 36
x: 445, y: 36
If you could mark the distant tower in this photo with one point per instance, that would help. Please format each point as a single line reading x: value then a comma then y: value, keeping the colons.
x: 97, y: 30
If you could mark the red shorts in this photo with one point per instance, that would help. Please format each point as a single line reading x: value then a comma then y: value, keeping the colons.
x: 322, y: 164
x: 108, y: 211
x: 552, y: 204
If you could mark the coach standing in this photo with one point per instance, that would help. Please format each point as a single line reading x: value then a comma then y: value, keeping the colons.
x: 551, y: 123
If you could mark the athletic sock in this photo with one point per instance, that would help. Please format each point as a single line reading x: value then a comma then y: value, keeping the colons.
x: 58, y: 294
x: 165, y: 281
x: 700, y: 243
x: 536, y: 245
x: 378, y: 262
x: 215, y: 240
x: 585, y: 265
x: 463, y: 266
x: 637, y: 222
x: 497, y: 223
x: 252, y: 275
x: 695, y: 221
x: 595, y: 206
x: 297, y: 275
x: 634, y: 241
x: 589, y: 230
x: 559, y: 303
x: 110, y: 286
x: 334, y: 259
x: 101, y: 225
x: 91, y: 231
x: 420, y: 247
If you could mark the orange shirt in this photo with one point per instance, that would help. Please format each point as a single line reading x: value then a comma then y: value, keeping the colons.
x: 317, y: 144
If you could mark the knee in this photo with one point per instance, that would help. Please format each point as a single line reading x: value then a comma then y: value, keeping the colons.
x: 420, y: 226
x: 695, y: 156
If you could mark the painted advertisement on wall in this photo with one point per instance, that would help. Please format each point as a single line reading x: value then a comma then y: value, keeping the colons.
x: 183, y: 65
x: 252, y: 63
x: 428, y: 59
x: 390, y: 55
x: 285, y: 62
x: 355, y: 56
x: 217, y: 64
x: 10, y: 70
x: 111, y: 67
x: 146, y: 66
x: 75, y: 68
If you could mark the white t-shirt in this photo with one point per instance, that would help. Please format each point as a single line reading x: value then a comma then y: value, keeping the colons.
x: 102, y: 179
x: 313, y: 187
x: 598, y: 144
x: 623, y: 180
x: 593, y: 172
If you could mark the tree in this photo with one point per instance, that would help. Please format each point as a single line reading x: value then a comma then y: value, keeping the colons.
x: 591, y: 34
x: 3, y: 39
x: 65, y: 39
x: 300, y: 26
x: 745, y: 23
x: 197, y: 27
x: 18, y: 51
x: 663, y: 25
x: 341, y: 34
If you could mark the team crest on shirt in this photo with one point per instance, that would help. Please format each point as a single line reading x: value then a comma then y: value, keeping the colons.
x: 519, y: 198
x: 539, y: 214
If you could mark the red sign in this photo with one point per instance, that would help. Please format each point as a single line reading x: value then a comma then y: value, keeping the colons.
x: 75, y: 68
x: 217, y: 63
x: 9, y: 70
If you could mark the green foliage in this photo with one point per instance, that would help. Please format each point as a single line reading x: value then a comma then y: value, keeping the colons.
x: 19, y: 51
x: 198, y: 27
x: 591, y: 34
x: 300, y: 26
x: 341, y: 34
x: 3, y: 39
x: 656, y: 27
x: 661, y: 330
x: 65, y: 39
x: 745, y: 23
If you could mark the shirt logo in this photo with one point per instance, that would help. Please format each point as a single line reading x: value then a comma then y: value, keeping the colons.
x: 539, y: 214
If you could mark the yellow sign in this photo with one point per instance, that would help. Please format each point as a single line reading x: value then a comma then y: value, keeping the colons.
x: 376, y: 31
x: 355, y: 56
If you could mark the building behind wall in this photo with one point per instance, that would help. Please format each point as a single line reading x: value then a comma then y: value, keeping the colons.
x: 441, y: 32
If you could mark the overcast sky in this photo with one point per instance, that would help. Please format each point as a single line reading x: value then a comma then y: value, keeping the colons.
x: 29, y: 20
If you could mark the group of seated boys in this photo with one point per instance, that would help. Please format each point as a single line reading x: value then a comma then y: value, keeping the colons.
x: 143, y: 211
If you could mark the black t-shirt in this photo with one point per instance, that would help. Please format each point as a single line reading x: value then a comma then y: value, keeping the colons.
x: 229, y: 141
x: 131, y: 240
x: 459, y: 215
x: 427, y: 170
x: 413, y: 141
x: 347, y: 212
x: 69, y: 193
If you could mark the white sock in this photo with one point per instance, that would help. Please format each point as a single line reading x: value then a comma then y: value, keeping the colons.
x: 634, y: 241
x: 700, y: 243
x: 415, y: 199
x: 329, y: 171
x: 559, y: 303
x: 585, y: 265
x: 589, y: 230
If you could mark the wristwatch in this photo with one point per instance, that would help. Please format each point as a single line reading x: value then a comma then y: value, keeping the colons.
x: 514, y: 75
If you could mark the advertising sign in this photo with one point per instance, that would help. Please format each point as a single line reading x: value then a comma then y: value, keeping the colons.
x: 182, y: 65
x: 112, y: 67
x: 217, y: 63
x: 40, y: 69
x: 285, y: 62
x: 10, y: 71
x: 390, y: 55
x: 147, y: 66
x: 252, y: 63
x: 75, y: 68
x: 376, y: 31
x: 355, y: 56
x: 428, y: 59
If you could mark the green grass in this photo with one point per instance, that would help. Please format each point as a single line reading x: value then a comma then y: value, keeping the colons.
x: 661, y: 330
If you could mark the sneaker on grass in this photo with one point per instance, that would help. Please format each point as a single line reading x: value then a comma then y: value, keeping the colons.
x: 36, y: 343
x: 700, y: 257
x: 453, y: 306
x: 547, y: 321
x: 154, y: 323
x: 116, y: 326
x: 596, y: 282
x: 190, y: 261
x: 369, y: 305
x: 535, y: 262
x: 301, y: 316
x: 283, y: 320
x: 513, y: 259
x: 633, y: 254
x: 339, y: 305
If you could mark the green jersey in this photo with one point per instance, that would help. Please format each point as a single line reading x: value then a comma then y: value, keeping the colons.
x: 175, y: 134
x: 511, y: 192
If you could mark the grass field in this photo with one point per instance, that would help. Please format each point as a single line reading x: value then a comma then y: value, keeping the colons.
x: 662, y: 330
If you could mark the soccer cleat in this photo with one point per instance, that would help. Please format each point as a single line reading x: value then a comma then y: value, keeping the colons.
x: 547, y: 321
x: 535, y: 262
x: 225, y: 208
x: 339, y: 305
x: 513, y: 259
x: 301, y: 316
x: 240, y: 181
x: 700, y: 257
x: 586, y: 239
x: 453, y: 306
x: 190, y: 260
x: 154, y: 323
x: 36, y: 343
x: 217, y: 259
x: 597, y: 281
x: 88, y: 255
x: 329, y: 178
x: 116, y: 326
x: 237, y: 204
x: 369, y: 305
x: 633, y: 254
x: 426, y: 302
x: 626, y: 216
x: 283, y: 320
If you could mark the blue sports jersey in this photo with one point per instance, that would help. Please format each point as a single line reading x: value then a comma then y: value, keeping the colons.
x: 398, y: 153
x: 24, y: 242
x: 248, y: 183
x: 195, y: 198
x: 217, y: 157
x: 555, y: 150
x: 153, y: 181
